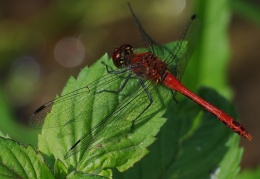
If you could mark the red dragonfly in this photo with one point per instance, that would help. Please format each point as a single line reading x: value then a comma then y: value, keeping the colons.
x: 149, y: 68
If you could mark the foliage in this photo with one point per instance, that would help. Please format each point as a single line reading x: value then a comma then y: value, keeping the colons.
x: 191, y: 144
x: 189, y: 137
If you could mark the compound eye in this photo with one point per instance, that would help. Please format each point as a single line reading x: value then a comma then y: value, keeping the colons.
x: 128, y: 49
x: 117, y: 57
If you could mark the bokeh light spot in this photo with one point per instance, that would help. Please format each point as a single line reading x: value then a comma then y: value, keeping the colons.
x: 69, y: 52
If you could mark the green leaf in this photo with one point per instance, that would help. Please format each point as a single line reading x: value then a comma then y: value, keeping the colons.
x: 60, y: 170
x: 192, y: 144
x: 123, y: 140
x: 18, y: 161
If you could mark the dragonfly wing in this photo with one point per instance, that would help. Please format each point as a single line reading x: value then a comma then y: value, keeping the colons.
x: 65, y: 105
x: 117, y: 123
x: 177, y: 57
x: 128, y: 116
x: 152, y: 46
x: 181, y: 53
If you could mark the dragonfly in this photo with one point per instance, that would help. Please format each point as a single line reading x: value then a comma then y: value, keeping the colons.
x: 159, y: 66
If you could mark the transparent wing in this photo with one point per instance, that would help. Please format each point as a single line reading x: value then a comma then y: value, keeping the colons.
x: 151, y: 45
x: 181, y: 53
x: 68, y: 101
x: 99, y: 116
x: 177, y: 57
x: 126, y: 118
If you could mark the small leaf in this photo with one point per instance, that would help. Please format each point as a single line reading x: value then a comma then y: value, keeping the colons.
x: 60, y: 170
x: 18, y: 161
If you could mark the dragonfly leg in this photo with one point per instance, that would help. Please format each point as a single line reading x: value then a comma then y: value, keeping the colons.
x: 173, y: 96
x: 113, y: 71
x: 150, y: 99
x: 121, y: 87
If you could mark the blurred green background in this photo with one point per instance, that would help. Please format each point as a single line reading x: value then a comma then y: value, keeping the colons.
x: 43, y: 42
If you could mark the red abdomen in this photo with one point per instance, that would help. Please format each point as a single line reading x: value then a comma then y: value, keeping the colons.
x: 171, y: 82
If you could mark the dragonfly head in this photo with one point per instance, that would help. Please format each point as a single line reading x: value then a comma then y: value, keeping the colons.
x: 121, y: 55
